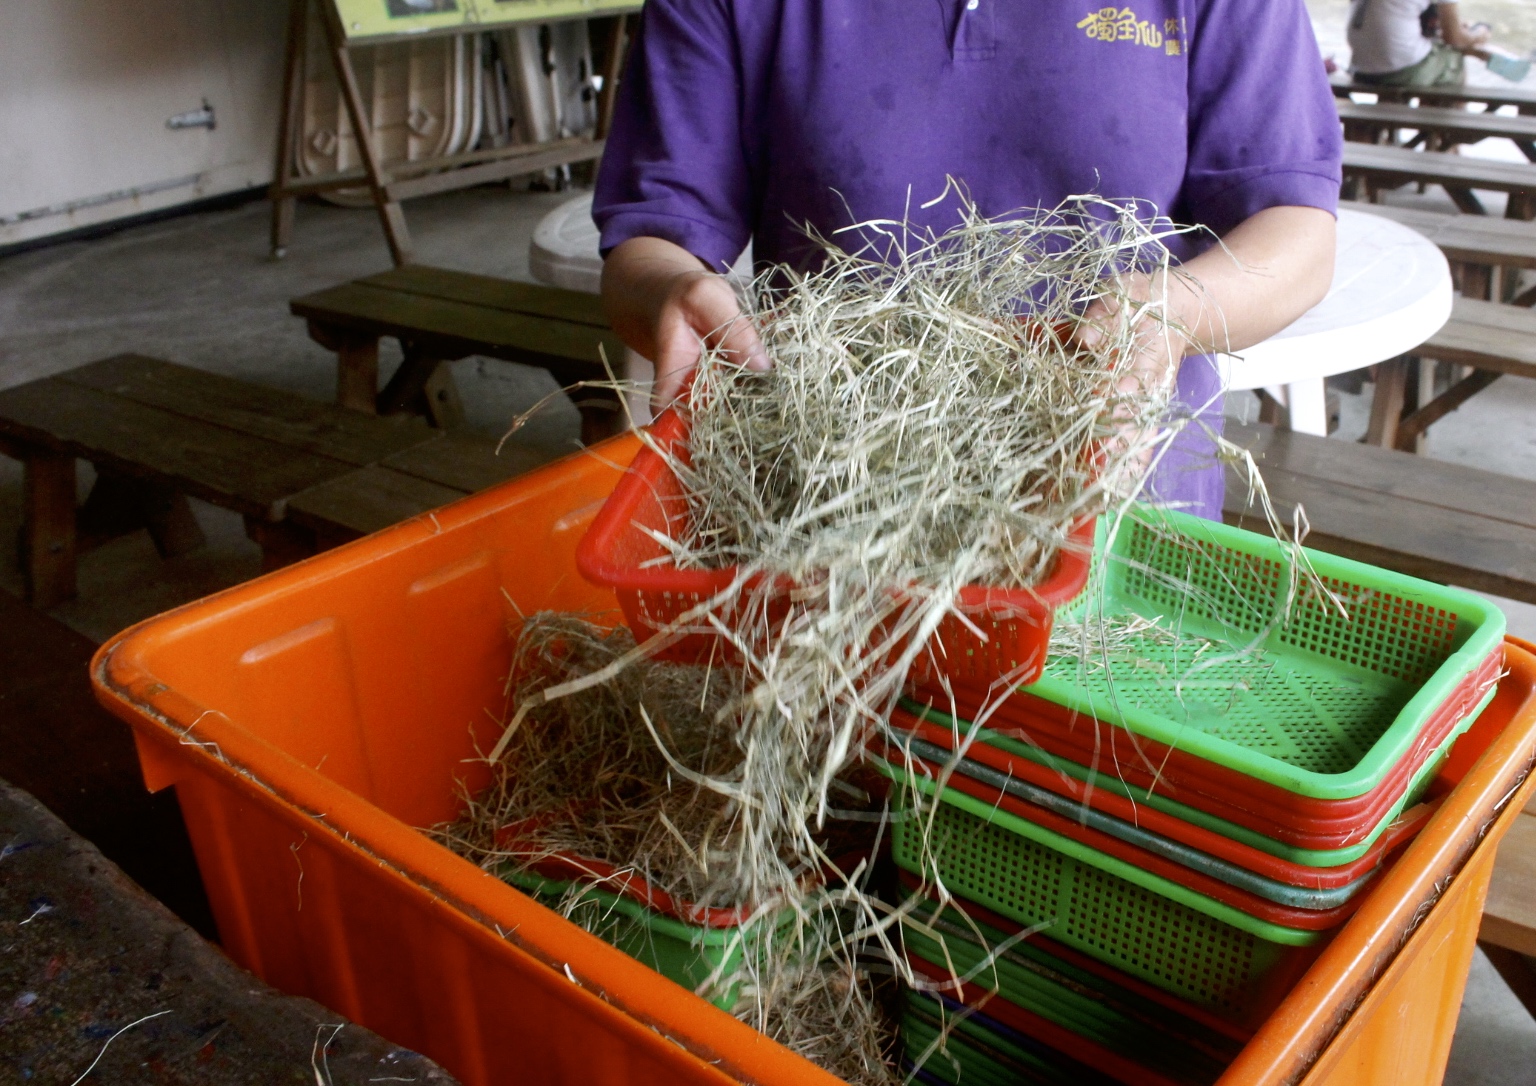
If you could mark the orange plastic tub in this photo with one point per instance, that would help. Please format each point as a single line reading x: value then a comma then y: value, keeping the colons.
x: 311, y: 719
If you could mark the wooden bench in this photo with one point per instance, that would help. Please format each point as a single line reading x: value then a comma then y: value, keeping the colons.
x: 441, y: 316
x: 1508, y: 931
x: 1447, y: 127
x: 1375, y: 166
x: 1443, y: 522
x: 303, y: 475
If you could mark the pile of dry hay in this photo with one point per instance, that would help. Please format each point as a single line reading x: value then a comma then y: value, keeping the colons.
x: 929, y: 424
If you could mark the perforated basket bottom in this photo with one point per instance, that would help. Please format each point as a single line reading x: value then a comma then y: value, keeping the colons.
x: 1164, y: 942
x: 1285, y: 707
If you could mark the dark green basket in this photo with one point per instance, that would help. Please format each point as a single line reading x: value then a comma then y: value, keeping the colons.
x: 971, y: 1050
x: 1192, y: 946
x: 1091, y: 1006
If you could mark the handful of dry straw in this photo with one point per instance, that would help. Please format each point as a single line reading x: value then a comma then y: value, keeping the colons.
x: 929, y: 423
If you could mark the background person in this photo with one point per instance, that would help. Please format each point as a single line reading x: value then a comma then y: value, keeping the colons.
x: 1393, y: 43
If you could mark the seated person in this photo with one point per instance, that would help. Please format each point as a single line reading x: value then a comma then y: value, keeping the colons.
x: 1393, y: 43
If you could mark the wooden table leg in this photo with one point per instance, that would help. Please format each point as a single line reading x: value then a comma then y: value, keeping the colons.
x: 357, y: 366
x: 1476, y: 280
x: 119, y: 504
x: 281, y: 544
x: 1387, y: 403
x: 602, y: 415
x: 49, y: 529
x: 357, y: 374
x: 423, y: 384
x: 1411, y: 430
x: 404, y: 390
x: 441, y: 396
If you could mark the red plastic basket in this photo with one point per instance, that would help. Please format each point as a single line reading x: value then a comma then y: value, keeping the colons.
x: 1295, y: 819
x: 1150, y: 818
x: 1290, y: 916
x: 620, y: 552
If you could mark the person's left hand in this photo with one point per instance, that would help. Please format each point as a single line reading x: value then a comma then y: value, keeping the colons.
x: 1150, y: 307
x: 1159, y: 347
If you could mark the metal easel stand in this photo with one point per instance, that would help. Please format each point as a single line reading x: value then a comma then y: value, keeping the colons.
x: 390, y: 187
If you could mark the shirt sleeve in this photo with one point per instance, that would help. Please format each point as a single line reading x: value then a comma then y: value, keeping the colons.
x: 674, y: 167
x: 1263, y: 127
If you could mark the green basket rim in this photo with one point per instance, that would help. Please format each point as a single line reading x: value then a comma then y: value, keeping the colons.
x: 1217, y: 910
x: 1487, y: 632
x: 1308, y: 857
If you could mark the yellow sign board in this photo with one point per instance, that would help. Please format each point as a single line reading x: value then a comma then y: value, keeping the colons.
x: 363, y: 20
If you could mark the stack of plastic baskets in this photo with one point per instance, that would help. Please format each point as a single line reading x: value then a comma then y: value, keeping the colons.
x: 1185, y: 816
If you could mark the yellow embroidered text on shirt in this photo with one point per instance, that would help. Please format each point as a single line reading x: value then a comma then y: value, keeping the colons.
x: 1121, y: 24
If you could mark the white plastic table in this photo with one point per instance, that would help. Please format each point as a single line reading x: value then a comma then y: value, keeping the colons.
x: 1391, y: 291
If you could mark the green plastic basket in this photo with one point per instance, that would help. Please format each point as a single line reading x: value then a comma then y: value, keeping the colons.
x: 1089, y: 1005
x: 972, y: 1055
x: 1310, y: 857
x: 1173, y: 938
x: 1315, y: 702
x: 686, y: 953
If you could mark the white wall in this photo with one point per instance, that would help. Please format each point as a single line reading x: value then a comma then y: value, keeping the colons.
x: 86, y: 87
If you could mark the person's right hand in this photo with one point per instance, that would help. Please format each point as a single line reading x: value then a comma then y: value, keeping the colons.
x: 666, y: 306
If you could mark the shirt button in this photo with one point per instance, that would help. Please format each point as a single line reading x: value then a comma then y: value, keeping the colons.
x: 972, y: 5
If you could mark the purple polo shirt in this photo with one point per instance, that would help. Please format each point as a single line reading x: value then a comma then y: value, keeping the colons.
x: 741, y: 119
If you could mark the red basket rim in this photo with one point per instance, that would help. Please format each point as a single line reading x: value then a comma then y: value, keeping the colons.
x: 670, y: 429
x: 1170, y: 826
x: 1228, y: 794
x: 1033, y: 1025
x: 1255, y: 905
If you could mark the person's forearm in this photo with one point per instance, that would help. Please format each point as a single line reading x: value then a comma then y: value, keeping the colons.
x: 637, y: 277
x: 665, y: 304
x: 1454, y: 32
x: 1269, y: 270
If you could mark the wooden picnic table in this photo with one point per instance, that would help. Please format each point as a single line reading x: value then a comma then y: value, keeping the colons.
x: 305, y: 476
x: 1521, y: 98
x: 440, y: 316
x: 1470, y: 239
x: 1379, y: 166
x: 1366, y: 123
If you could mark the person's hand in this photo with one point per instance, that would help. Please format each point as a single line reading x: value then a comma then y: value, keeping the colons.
x: 699, y: 308
x: 1156, y: 338
x: 667, y: 306
x: 1158, y: 348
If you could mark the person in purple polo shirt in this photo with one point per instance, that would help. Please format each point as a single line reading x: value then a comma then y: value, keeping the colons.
x: 744, y: 120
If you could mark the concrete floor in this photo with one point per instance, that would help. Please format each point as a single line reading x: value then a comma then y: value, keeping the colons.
x: 201, y: 290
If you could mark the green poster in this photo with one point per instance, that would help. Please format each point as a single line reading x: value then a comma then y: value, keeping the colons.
x: 363, y: 20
